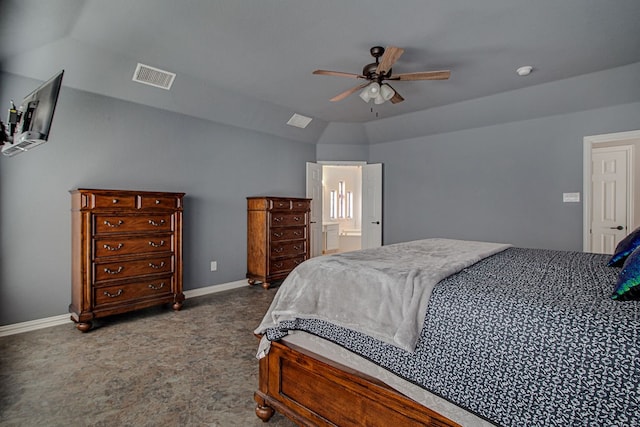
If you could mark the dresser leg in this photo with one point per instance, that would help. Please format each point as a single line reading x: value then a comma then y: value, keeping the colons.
x: 266, y: 285
x: 83, y: 326
x: 177, y: 305
x: 252, y: 281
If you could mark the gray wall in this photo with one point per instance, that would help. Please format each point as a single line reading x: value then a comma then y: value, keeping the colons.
x: 500, y: 181
x: 496, y: 183
x: 106, y: 143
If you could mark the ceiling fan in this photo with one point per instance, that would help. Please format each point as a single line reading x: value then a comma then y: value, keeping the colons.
x: 378, y: 72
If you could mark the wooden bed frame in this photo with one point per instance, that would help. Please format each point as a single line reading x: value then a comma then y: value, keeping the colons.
x: 314, y: 391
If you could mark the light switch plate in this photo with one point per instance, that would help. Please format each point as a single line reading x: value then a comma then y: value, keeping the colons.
x: 571, y: 197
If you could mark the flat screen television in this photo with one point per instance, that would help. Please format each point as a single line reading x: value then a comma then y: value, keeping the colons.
x: 33, y: 118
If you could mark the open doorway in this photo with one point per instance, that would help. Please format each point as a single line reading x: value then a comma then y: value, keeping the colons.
x: 346, y: 206
x: 341, y: 208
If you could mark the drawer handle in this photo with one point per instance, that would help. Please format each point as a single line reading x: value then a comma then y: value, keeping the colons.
x: 157, y: 203
x: 297, y: 248
x: 297, y: 261
x: 156, y: 224
x: 118, y: 271
x: 297, y: 233
x: 118, y: 224
x: 117, y: 294
x: 278, y: 219
x: 115, y: 201
x: 156, y: 287
x: 111, y: 248
x: 278, y: 265
x: 156, y: 245
x: 277, y: 234
x: 296, y: 218
x: 278, y: 250
x: 156, y: 266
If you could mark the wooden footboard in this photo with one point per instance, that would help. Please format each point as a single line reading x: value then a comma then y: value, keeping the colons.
x: 313, y: 391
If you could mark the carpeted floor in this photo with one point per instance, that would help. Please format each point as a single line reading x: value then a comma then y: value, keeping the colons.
x: 155, y: 367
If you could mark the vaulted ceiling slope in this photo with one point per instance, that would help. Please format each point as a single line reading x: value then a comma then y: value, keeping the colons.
x: 249, y: 63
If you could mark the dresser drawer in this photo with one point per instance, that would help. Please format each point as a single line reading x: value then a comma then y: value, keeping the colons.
x: 124, y: 269
x: 289, y: 205
x: 277, y: 266
x: 116, y: 294
x: 279, y: 250
x: 280, y: 204
x: 162, y: 202
x: 300, y: 205
x: 115, y: 201
x: 127, y: 223
x: 122, y: 245
x: 281, y: 234
x: 282, y: 219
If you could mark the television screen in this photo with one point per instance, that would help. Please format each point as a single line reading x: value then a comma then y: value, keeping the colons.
x: 36, y: 116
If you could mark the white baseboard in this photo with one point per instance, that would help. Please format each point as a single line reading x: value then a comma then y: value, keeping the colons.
x: 32, y: 325
x: 215, y: 288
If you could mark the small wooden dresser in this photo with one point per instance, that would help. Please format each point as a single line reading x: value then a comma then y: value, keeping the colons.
x: 277, y: 237
x: 126, y: 252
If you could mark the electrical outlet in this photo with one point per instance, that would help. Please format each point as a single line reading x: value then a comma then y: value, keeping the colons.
x: 214, y: 265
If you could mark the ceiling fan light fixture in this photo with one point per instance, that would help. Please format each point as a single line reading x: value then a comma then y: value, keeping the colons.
x: 377, y: 72
x: 374, y: 89
x: 366, y: 97
x: 386, y: 92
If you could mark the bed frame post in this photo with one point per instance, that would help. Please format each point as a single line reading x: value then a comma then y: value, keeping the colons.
x: 263, y: 410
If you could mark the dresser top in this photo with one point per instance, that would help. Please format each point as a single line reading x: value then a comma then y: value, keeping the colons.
x: 105, y: 191
x: 277, y: 198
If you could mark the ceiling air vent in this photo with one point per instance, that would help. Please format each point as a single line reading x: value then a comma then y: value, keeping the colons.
x: 153, y: 76
x: 299, y: 121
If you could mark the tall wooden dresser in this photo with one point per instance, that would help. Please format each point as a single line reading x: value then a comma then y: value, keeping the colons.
x: 126, y: 252
x: 277, y: 237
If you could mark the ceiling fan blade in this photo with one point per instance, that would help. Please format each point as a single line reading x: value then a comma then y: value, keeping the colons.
x: 389, y: 57
x: 396, y: 96
x: 423, y: 75
x: 338, y: 74
x: 348, y: 92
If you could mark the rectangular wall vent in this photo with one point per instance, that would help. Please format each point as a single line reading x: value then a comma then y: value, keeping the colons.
x: 153, y: 76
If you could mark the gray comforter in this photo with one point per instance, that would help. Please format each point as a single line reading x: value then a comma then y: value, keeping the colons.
x: 522, y: 338
x: 381, y: 292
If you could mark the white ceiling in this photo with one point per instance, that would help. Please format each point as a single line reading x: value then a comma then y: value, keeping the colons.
x: 237, y: 59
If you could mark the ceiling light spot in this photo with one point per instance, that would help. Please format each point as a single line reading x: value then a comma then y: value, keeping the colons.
x: 525, y: 70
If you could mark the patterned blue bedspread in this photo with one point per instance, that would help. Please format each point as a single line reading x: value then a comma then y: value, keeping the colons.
x: 526, y: 337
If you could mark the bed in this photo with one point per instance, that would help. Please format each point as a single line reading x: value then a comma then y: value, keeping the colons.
x: 507, y: 336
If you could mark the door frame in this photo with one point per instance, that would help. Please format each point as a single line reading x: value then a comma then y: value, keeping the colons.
x: 587, y: 147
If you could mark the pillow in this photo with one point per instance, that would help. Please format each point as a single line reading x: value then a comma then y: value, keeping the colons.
x: 624, y: 248
x: 628, y: 285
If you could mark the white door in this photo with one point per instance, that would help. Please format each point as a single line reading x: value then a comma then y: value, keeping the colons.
x: 609, y: 175
x: 372, y: 205
x: 314, y: 192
